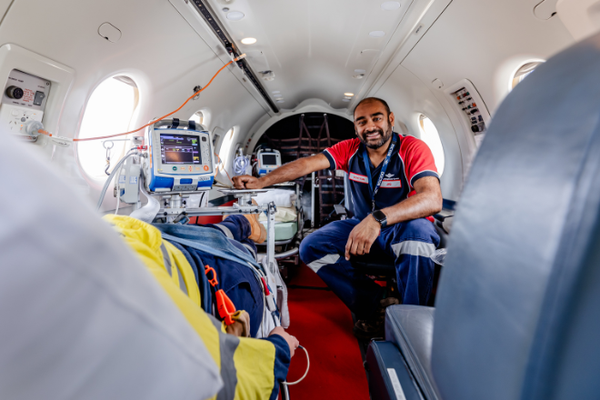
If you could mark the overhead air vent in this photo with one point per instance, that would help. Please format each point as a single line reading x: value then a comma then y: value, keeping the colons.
x: 267, y: 75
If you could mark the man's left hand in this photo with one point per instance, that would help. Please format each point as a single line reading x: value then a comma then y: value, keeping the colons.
x: 362, y: 237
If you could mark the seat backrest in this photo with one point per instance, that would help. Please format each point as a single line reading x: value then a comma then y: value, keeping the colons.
x: 519, y: 297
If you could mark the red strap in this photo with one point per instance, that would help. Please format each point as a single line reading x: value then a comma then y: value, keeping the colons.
x: 225, y: 306
x: 264, y: 281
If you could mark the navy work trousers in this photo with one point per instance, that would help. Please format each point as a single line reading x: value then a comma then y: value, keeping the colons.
x: 410, y: 243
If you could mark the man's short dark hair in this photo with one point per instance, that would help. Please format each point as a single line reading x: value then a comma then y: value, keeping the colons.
x: 368, y: 99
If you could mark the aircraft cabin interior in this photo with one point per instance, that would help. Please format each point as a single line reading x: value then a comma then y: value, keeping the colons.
x: 275, y: 199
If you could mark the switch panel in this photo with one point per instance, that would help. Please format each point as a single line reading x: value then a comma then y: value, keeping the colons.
x: 469, y: 106
x: 23, y: 100
x: 472, y: 108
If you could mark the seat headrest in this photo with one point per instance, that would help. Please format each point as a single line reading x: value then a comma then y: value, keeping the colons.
x: 517, y: 279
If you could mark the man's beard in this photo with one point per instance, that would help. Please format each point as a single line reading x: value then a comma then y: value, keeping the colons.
x: 383, y: 138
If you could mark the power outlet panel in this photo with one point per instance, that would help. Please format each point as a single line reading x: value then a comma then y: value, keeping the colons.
x: 23, y: 100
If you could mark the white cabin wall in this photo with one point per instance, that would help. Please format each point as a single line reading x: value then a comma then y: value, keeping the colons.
x: 485, y: 41
x: 158, y: 49
x: 408, y: 97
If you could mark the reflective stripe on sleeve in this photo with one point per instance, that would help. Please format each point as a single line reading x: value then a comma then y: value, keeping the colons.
x: 250, y: 249
x: 225, y: 230
x: 166, y: 259
x: 169, y: 268
x: 228, y: 344
x: 182, y: 285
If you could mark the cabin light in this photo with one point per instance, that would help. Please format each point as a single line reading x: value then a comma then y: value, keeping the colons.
x: 249, y: 40
x: 377, y: 34
x: 277, y: 96
x: 348, y: 97
x: 280, y: 101
x: 235, y: 15
x: 348, y: 94
x: 390, y: 6
x: 225, y: 9
x: 346, y: 100
x: 276, y: 91
x: 359, y: 73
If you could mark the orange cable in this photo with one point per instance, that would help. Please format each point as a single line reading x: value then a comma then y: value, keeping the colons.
x: 44, y: 132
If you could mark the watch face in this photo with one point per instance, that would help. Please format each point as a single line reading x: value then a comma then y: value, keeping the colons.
x: 379, y: 215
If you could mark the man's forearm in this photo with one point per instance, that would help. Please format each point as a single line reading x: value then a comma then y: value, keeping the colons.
x: 293, y: 170
x: 426, y: 202
x: 417, y: 206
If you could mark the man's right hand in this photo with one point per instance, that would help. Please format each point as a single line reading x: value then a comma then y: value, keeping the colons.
x: 246, y: 182
x: 292, y: 342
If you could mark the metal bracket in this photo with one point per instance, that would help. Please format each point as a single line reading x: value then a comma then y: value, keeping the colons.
x: 271, y: 262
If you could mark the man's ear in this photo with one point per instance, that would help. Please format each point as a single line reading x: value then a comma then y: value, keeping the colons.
x: 391, y: 119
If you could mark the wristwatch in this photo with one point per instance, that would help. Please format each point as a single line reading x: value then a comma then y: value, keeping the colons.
x: 380, y: 217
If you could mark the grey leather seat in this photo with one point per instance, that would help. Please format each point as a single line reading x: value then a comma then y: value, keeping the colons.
x: 518, y: 305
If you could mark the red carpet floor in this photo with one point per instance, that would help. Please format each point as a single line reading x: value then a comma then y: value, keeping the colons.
x: 323, y: 325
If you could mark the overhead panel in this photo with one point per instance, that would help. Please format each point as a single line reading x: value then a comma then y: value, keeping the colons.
x: 209, y: 16
x: 316, y: 49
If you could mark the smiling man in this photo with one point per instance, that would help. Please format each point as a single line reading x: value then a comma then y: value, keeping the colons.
x: 394, y: 188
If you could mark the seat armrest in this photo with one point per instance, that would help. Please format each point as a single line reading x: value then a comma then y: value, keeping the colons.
x: 411, y: 329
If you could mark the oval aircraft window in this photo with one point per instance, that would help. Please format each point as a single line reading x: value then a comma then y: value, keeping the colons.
x: 198, y: 117
x: 226, y: 147
x: 109, y: 110
x: 430, y: 135
x: 523, y: 72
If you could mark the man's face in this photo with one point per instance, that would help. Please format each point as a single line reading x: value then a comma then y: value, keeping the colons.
x: 372, y: 124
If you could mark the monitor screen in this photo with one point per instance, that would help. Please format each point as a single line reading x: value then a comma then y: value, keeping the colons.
x: 269, y: 159
x: 180, y: 149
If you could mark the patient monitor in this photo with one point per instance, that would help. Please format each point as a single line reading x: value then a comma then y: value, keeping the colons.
x: 180, y: 157
x: 267, y: 161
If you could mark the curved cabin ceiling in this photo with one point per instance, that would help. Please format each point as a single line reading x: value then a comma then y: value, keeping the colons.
x: 323, y: 49
x: 313, y: 48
